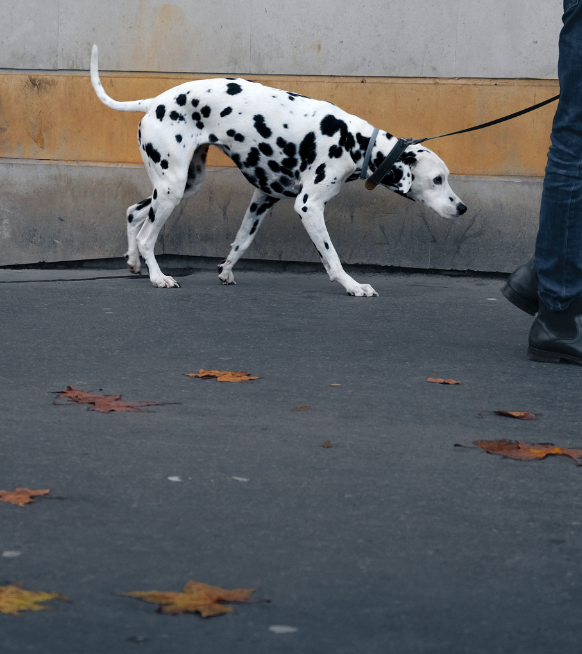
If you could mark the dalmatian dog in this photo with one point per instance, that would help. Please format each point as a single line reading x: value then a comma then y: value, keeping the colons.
x: 286, y: 145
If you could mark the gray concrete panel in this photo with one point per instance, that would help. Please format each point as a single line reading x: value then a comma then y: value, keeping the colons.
x: 51, y: 212
x: 29, y: 33
x: 450, y: 38
x: 138, y: 35
x: 508, y: 39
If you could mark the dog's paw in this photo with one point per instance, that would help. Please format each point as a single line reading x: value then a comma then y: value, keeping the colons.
x: 134, y: 265
x: 226, y: 278
x: 164, y: 282
x: 361, y: 290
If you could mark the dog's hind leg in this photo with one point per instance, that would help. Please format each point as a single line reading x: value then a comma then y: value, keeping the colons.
x: 257, y: 211
x: 136, y: 214
x: 311, y: 208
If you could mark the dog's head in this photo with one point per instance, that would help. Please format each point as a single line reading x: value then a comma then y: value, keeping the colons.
x: 421, y: 175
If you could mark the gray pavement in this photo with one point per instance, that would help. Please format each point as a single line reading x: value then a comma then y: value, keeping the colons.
x: 392, y: 541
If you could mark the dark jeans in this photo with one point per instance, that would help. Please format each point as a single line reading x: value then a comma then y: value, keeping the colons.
x: 559, y: 242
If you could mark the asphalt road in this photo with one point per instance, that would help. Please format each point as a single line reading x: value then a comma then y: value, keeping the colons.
x: 392, y: 541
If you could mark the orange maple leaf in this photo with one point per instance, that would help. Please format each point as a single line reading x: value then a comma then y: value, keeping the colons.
x: 195, y: 597
x: 527, y: 451
x: 438, y: 380
x: 21, y: 496
x: 222, y: 375
x: 102, y: 403
x: 14, y: 599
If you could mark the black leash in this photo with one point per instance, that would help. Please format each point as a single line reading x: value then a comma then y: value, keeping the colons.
x: 402, y: 144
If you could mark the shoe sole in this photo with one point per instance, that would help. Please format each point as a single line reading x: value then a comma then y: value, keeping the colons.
x: 520, y: 301
x: 551, y: 357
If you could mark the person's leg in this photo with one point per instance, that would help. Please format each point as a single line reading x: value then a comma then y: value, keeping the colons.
x: 558, y: 252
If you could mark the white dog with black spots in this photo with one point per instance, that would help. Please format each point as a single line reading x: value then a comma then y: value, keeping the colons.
x: 286, y: 145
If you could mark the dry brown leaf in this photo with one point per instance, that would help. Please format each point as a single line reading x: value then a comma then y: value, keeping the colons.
x: 21, y: 496
x: 222, y: 375
x: 450, y: 382
x: 326, y: 444
x: 194, y: 598
x: 520, y: 415
x: 527, y: 451
x: 14, y: 599
x: 102, y: 403
x: 301, y: 407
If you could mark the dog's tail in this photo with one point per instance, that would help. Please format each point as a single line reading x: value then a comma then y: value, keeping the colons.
x: 136, y: 105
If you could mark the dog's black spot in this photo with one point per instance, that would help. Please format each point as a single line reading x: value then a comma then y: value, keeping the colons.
x: 226, y: 111
x: 326, y: 245
x: 277, y: 187
x: 252, y: 158
x: 388, y: 135
x: 330, y: 125
x: 239, y: 137
x: 155, y: 194
x: 289, y: 194
x: 307, y: 150
x: 254, y: 227
x: 160, y: 112
x: 196, y: 116
x: 304, y: 209
x: 285, y: 126
x: 288, y: 171
x: 253, y: 207
x: 230, y: 132
x: 261, y: 126
x: 233, y: 89
x: 274, y: 166
x: 356, y: 155
x: 408, y: 158
x: 335, y: 152
x: 200, y: 125
x: 152, y: 153
x: 393, y: 177
x: 205, y: 111
x: 261, y: 176
x: 152, y: 214
x: 319, y: 174
x: 139, y: 136
x: 181, y: 100
x: 291, y: 97
x: 236, y: 158
x: 174, y: 115
x: 267, y: 204
x: 179, y: 138
x: 285, y: 181
x: 305, y: 198
x: 290, y: 149
x: 195, y: 102
x: 130, y: 218
x: 266, y: 149
x: 451, y: 200
x: 212, y: 138
x: 143, y: 203
x: 363, y: 141
x: 281, y: 142
x: 164, y: 164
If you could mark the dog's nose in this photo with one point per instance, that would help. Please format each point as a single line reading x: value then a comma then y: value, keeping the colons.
x: 461, y: 208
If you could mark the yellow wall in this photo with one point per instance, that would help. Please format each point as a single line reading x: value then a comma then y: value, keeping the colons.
x: 57, y: 117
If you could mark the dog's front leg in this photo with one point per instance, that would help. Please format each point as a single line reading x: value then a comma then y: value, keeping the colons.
x: 257, y: 211
x: 311, y: 209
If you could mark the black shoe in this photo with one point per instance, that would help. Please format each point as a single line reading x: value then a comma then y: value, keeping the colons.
x: 521, y: 288
x: 557, y: 335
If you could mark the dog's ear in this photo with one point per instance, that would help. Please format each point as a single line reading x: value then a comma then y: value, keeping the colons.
x: 399, y: 177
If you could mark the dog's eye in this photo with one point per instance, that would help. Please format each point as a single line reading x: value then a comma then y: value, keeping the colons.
x: 438, y: 180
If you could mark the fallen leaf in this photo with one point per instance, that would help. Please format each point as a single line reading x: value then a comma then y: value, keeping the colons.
x: 335, y: 384
x: 527, y: 451
x: 222, y: 375
x: 326, y: 444
x: 301, y: 407
x: 194, y: 598
x: 14, y: 599
x: 520, y: 415
x: 21, y: 496
x: 102, y: 403
x: 450, y: 382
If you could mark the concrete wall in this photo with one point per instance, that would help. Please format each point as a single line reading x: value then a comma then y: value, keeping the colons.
x: 414, y: 68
